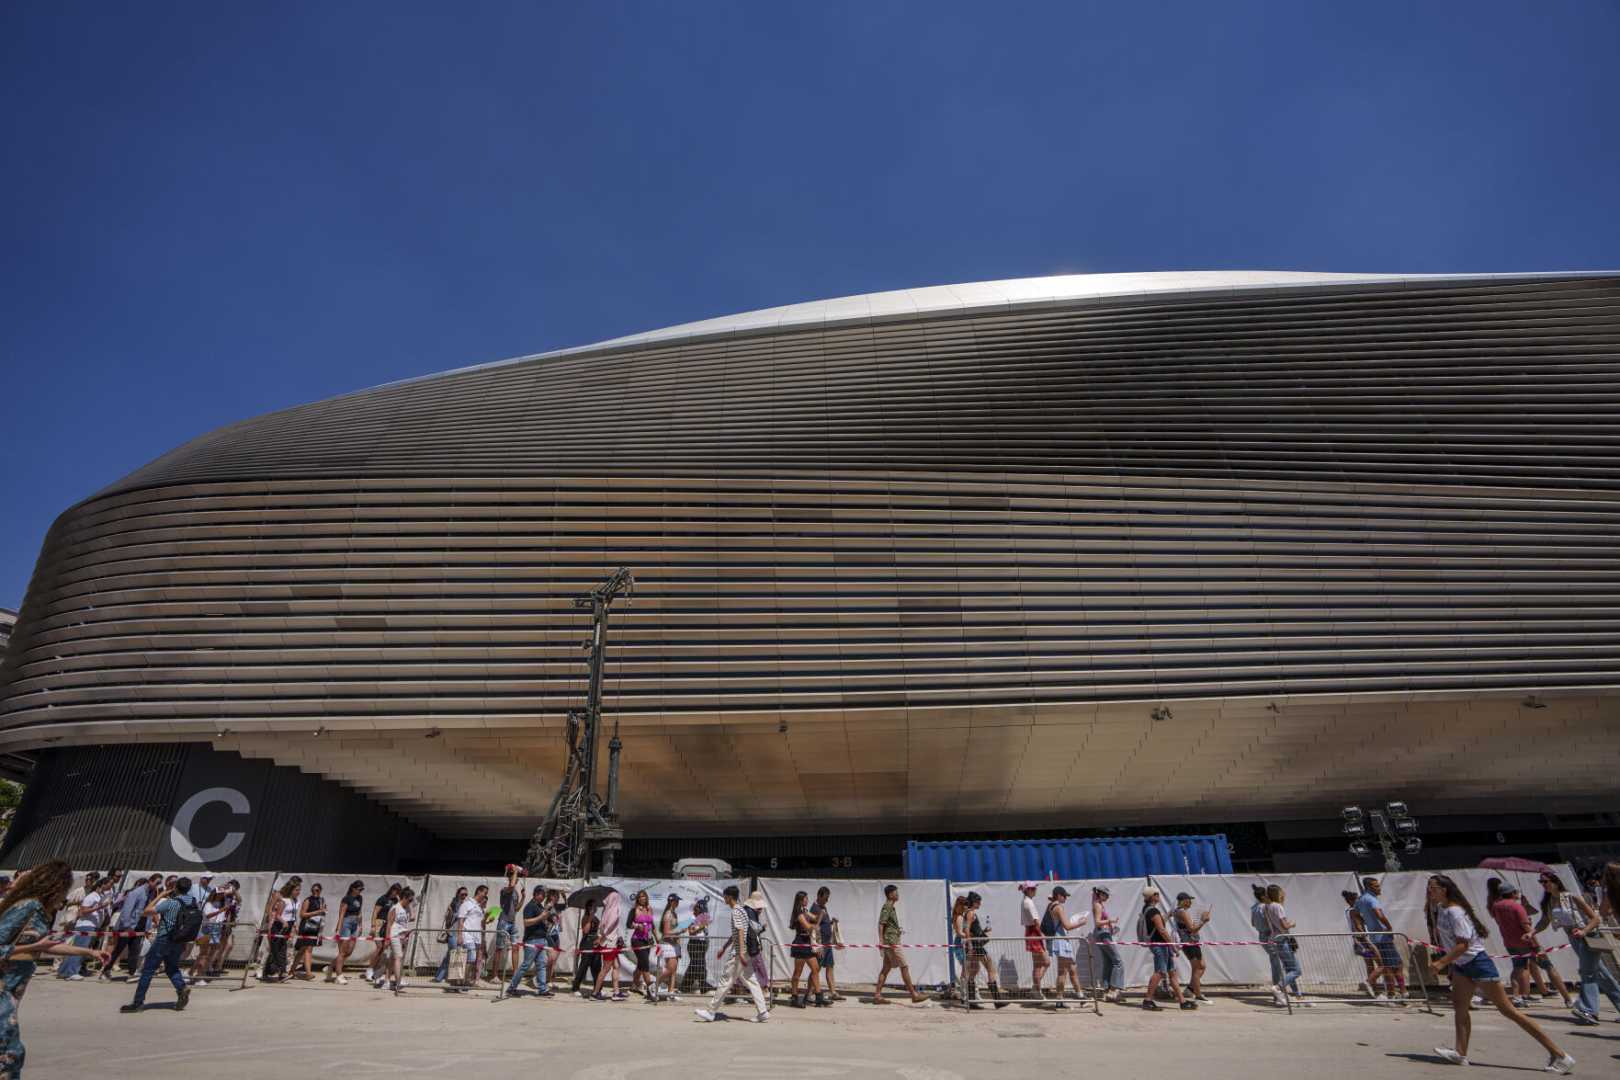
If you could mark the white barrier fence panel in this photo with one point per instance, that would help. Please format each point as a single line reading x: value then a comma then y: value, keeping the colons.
x: 924, y: 916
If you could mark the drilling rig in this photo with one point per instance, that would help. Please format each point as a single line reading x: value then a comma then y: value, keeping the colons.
x: 579, y: 821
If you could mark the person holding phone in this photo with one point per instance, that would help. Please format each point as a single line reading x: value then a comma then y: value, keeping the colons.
x: 1188, y: 927
x: 1103, y: 928
x: 1058, y: 921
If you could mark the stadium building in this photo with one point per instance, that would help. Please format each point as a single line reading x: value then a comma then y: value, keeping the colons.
x: 1043, y: 554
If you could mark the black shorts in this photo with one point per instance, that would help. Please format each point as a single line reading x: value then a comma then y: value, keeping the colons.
x: 1194, y: 952
x: 641, y: 952
x: 804, y: 951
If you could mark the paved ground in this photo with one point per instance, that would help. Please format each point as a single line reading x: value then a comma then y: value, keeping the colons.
x: 74, y: 1031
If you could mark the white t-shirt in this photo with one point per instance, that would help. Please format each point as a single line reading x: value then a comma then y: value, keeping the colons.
x: 402, y: 923
x: 1453, y: 927
x: 1029, y: 916
x: 89, y: 923
x: 289, y: 909
x: 213, y: 912
x: 471, y: 916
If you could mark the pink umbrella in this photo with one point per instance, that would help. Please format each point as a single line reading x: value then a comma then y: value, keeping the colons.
x: 1513, y: 862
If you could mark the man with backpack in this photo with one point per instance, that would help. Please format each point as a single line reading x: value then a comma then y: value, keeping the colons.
x: 179, y: 920
x: 745, y: 945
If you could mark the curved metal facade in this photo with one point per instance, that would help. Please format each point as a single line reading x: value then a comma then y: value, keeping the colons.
x: 966, y: 553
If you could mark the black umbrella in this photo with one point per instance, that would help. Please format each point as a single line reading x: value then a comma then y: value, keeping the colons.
x: 590, y: 894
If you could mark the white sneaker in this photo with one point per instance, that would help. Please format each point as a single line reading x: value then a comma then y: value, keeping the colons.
x: 1565, y: 1065
x: 1365, y: 985
x: 704, y: 1015
x: 341, y: 980
x: 1582, y: 1016
x: 75, y: 978
x: 1279, y: 997
x: 371, y: 976
x: 760, y: 1018
x: 1301, y: 1003
x: 1518, y: 1002
x: 1451, y: 1055
x: 672, y: 997
x: 199, y: 982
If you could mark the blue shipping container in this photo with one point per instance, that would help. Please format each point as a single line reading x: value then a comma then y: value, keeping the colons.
x: 1068, y: 860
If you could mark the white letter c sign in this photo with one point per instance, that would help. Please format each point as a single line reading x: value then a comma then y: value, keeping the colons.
x: 180, y: 831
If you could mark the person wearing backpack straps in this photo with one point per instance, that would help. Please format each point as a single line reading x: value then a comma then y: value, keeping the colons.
x: 737, y: 966
x: 1154, y: 930
x: 1055, y: 927
x: 179, y: 919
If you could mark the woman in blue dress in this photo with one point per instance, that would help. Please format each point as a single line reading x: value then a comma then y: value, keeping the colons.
x: 26, y: 915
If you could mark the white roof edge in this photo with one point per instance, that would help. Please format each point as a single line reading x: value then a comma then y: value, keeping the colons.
x: 1009, y: 294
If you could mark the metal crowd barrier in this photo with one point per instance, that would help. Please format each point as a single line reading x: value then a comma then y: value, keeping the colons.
x: 1340, y: 969
x: 1011, y: 966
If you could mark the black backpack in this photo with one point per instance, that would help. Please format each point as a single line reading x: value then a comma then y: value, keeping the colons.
x: 751, y: 939
x: 1049, y: 926
x: 187, y: 922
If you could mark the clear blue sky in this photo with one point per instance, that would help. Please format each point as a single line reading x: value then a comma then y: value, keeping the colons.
x: 216, y: 210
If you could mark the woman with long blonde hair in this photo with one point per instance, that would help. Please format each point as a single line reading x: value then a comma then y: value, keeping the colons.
x: 27, y: 911
x: 1282, y: 940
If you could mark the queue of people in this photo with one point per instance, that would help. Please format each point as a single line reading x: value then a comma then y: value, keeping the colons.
x: 168, y: 924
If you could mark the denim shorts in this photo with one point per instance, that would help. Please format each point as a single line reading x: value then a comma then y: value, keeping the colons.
x: 1480, y: 968
x: 1388, y: 955
x: 350, y: 927
x: 213, y: 932
x: 504, y: 934
x: 1164, y: 959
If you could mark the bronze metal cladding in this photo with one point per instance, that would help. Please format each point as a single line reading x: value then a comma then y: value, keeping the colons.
x: 1214, y: 554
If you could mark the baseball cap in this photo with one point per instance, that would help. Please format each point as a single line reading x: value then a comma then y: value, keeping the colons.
x: 1061, y: 891
x: 1101, y: 890
x: 1184, y: 896
x: 1025, y: 886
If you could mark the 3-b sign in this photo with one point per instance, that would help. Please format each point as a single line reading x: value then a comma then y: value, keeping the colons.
x: 180, y: 831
